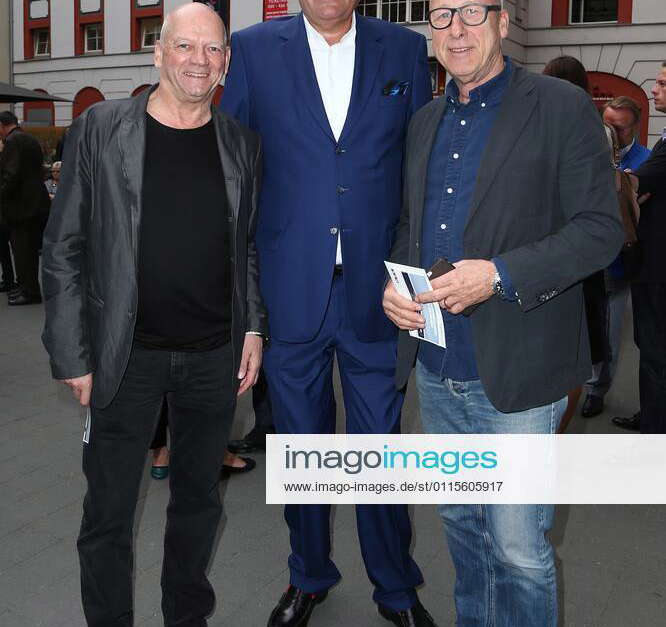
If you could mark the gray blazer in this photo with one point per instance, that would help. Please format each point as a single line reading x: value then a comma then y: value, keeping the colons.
x: 545, y: 203
x: 90, y: 251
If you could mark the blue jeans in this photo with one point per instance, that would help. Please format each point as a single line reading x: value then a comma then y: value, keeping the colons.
x: 505, y: 565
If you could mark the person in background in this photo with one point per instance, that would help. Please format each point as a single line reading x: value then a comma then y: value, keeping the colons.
x: 24, y: 203
x: 52, y: 182
x: 648, y: 289
x: 570, y: 69
x: 255, y: 439
x: 8, y: 282
x: 624, y: 115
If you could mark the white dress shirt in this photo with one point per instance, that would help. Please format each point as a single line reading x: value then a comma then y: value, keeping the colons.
x: 334, y: 68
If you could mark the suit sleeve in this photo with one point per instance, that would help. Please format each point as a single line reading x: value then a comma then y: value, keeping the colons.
x: 652, y: 174
x: 592, y: 234
x: 65, y: 333
x: 236, y: 96
x: 421, y: 85
x: 257, y: 320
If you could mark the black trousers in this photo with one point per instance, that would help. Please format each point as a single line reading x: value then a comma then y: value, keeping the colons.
x: 6, y: 263
x: 263, y: 418
x: 649, y: 306
x: 200, y: 390
x: 26, y: 238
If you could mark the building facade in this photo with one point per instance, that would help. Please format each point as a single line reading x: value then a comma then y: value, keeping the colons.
x: 88, y: 50
x: 5, y: 42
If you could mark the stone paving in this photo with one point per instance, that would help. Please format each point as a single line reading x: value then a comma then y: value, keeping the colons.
x: 612, y: 560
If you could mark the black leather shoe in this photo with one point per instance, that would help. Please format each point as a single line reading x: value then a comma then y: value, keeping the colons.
x: 249, y: 465
x: 295, y: 607
x: 7, y: 287
x: 254, y: 441
x: 633, y: 423
x: 24, y: 299
x: 415, y: 616
x: 592, y: 406
x: 14, y: 292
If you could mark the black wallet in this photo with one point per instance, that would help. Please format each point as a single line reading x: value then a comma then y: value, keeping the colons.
x: 441, y: 267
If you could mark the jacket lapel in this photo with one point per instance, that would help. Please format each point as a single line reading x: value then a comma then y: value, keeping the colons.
x: 232, y: 177
x: 367, y: 62
x: 517, y: 106
x: 132, y: 146
x: 298, y: 59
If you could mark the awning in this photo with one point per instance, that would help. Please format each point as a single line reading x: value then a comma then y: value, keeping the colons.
x: 11, y: 93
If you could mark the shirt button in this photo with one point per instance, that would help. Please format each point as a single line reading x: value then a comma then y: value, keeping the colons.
x: 443, y: 227
x: 455, y: 155
x: 462, y: 122
x: 449, y: 190
x: 334, y: 230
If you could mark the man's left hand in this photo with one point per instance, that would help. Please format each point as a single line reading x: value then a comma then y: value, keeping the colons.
x: 248, y: 372
x: 470, y: 283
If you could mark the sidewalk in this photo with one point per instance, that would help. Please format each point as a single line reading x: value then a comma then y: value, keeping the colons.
x: 612, y: 560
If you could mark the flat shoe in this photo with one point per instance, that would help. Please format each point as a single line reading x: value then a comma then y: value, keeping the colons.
x: 159, y: 472
x: 250, y: 464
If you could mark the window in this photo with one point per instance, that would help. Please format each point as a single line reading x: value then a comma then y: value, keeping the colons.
x: 39, y: 9
x: 94, y: 38
x: 42, y: 42
x: 590, y: 11
x: 396, y: 10
x: 150, y: 32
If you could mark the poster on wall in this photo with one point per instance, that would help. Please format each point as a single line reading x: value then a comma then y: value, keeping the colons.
x: 275, y: 8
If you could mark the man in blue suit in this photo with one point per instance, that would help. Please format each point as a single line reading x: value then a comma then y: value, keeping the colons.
x: 331, y: 94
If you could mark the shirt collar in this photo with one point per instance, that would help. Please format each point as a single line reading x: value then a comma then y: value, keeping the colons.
x: 625, y: 151
x: 317, y: 41
x: 490, y: 91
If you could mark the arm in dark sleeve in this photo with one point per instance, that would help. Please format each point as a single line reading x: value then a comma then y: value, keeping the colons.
x: 236, y: 96
x: 421, y: 85
x: 652, y: 174
x: 257, y: 320
x: 64, y: 253
x: 592, y: 234
x: 9, y: 172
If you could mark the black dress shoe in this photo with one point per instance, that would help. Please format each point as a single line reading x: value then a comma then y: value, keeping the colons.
x: 415, y: 616
x: 295, y: 607
x: 5, y: 286
x: 254, y: 441
x: 592, y: 406
x: 250, y: 464
x: 15, y: 291
x: 633, y: 423
x: 23, y: 299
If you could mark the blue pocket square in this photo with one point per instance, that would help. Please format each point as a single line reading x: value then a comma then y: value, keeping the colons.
x: 394, y: 88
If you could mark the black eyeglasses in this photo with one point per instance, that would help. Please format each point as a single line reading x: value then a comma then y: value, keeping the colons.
x: 470, y: 14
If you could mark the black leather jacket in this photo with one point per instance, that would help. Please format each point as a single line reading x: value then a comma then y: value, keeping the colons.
x: 90, y: 249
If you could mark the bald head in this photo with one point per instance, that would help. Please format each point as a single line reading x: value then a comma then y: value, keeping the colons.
x: 195, y: 11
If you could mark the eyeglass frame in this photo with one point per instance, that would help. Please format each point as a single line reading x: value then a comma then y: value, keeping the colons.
x: 454, y: 10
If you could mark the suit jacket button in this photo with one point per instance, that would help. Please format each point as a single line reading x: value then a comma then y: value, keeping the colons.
x: 341, y: 189
x: 334, y: 231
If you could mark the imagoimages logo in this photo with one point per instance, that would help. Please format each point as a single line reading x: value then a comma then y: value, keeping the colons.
x: 355, y: 461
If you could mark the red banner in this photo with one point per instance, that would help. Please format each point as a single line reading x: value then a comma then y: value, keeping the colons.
x: 275, y: 8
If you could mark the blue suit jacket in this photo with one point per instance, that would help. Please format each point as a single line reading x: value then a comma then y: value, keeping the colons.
x: 315, y: 187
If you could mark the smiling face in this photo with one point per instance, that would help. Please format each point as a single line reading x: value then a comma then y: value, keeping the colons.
x: 193, y: 57
x: 471, y: 54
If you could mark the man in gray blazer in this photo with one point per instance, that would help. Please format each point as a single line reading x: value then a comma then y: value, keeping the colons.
x: 151, y: 290
x: 508, y: 176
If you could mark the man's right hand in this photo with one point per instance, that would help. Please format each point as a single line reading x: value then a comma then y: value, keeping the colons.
x: 81, y: 388
x: 403, y: 312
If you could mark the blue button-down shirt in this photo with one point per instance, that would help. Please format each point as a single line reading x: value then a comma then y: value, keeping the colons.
x: 454, y: 162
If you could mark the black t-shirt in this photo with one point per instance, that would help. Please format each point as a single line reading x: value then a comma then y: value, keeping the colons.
x: 185, y: 277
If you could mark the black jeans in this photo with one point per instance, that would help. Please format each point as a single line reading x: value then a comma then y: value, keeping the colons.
x: 649, y: 305
x: 6, y: 263
x: 26, y: 238
x: 200, y: 389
